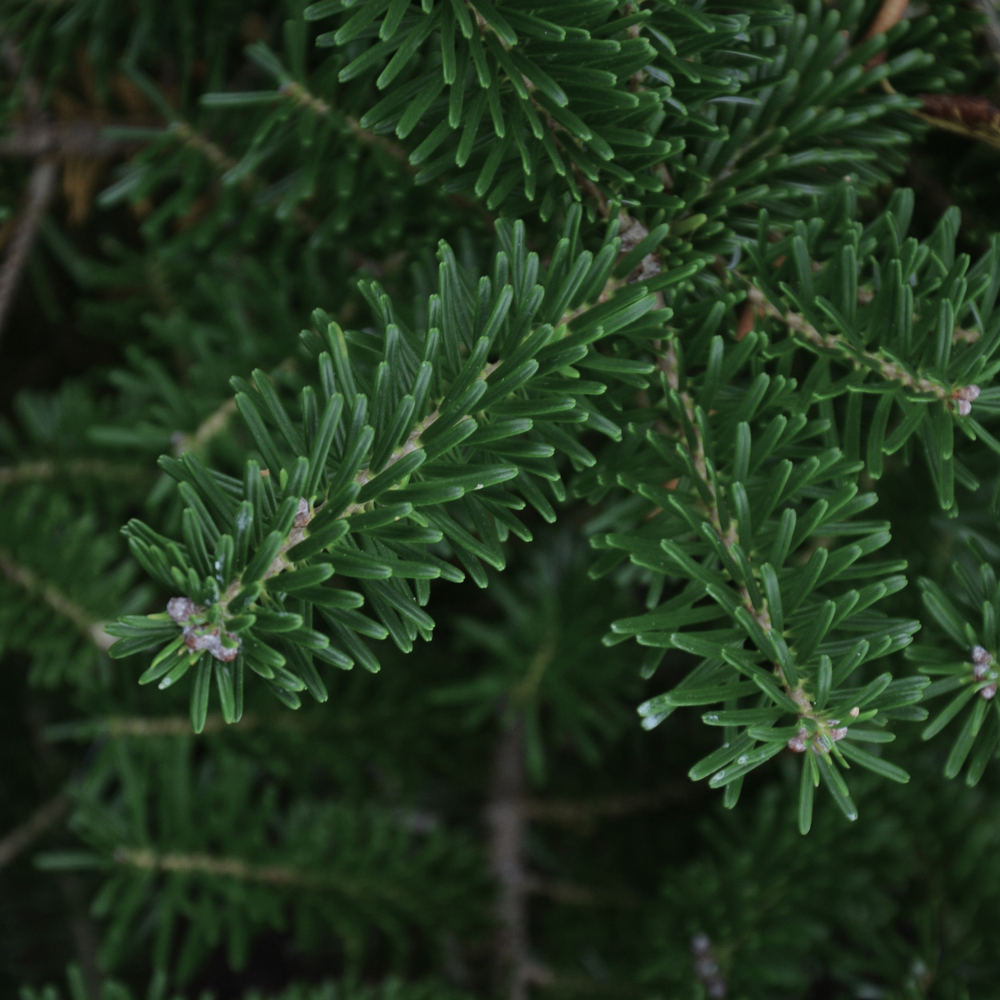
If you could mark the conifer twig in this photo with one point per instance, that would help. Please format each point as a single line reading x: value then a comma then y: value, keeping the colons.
x: 208, y: 864
x: 300, y: 95
x: 959, y: 398
x: 42, y: 819
x: 827, y: 730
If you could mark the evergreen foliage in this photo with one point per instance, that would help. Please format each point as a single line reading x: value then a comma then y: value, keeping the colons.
x: 614, y: 314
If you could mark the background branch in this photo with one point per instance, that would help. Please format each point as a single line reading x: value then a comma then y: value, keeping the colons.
x: 41, y: 186
x: 44, y: 818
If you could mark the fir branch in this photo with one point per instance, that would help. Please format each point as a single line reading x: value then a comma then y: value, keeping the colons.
x: 301, y: 96
x: 693, y: 444
x: 957, y: 398
x: 192, y: 138
x: 410, y: 445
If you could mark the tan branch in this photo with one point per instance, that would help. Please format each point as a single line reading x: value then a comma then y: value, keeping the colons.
x: 889, y: 15
x: 195, y: 140
x: 217, y: 867
x: 959, y: 398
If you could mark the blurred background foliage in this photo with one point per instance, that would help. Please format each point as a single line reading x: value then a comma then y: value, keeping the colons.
x: 345, y: 848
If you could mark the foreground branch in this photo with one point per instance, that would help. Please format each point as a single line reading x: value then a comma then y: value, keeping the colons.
x: 959, y: 398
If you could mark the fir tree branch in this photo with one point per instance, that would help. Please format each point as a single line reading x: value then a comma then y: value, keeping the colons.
x: 827, y: 730
x: 959, y: 398
x: 695, y: 447
x: 24, y: 577
x: 301, y: 96
x: 306, y: 513
x: 43, y: 819
x: 191, y: 137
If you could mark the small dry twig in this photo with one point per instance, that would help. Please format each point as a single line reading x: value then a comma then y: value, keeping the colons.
x: 41, y: 186
x: 44, y: 818
x: 889, y: 15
